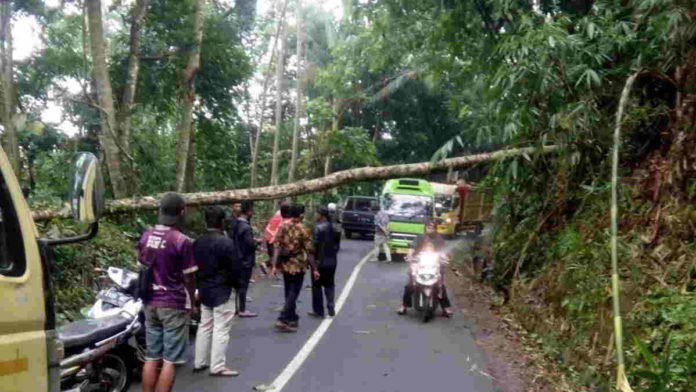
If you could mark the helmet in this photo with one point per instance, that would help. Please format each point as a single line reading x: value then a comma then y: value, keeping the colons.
x: 331, y: 206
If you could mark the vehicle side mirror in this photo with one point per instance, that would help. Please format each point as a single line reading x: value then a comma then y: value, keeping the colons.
x: 86, y: 198
x: 87, y: 189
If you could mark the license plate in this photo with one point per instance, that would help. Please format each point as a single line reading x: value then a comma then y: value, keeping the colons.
x: 400, y: 250
x: 112, y: 297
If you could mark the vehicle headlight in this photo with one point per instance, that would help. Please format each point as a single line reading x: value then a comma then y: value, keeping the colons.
x: 429, y: 259
x: 448, y: 220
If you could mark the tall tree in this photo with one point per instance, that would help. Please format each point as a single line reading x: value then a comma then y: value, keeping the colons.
x: 300, y: 88
x: 187, y: 99
x: 10, y: 144
x: 280, y: 85
x: 262, y: 102
x: 107, y: 136
x: 128, y: 96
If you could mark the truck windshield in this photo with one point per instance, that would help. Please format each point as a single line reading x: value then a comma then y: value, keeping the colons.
x: 446, y: 201
x: 408, y: 206
x: 356, y: 204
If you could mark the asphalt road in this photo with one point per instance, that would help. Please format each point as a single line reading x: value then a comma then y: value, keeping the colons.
x: 368, y: 347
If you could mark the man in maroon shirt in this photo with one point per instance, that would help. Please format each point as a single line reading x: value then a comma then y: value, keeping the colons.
x: 167, y: 311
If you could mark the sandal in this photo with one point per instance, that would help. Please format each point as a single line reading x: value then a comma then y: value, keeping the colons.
x: 200, y: 369
x: 401, y: 311
x: 225, y: 372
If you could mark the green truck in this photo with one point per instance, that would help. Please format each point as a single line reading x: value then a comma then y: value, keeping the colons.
x: 409, y: 203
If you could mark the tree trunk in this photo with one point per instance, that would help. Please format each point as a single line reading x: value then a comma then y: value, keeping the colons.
x: 126, y: 104
x: 191, y: 164
x: 262, y: 103
x: 300, y: 86
x: 327, y: 165
x: 11, y: 143
x: 280, y: 85
x: 314, y: 185
x: 187, y: 98
x: 107, y: 136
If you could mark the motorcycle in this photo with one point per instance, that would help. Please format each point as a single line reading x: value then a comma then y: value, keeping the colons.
x: 102, y: 350
x: 425, y: 275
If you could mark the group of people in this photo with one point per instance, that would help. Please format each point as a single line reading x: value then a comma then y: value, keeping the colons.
x: 220, y: 265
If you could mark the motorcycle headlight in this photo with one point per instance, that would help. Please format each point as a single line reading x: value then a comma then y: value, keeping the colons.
x: 448, y: 220
x: 428, y: 258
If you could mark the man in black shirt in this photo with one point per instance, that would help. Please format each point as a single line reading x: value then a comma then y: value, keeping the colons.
x: 326, y: 245
x: 230, y: 223
x: 218, y: 270
x: 246, y: 247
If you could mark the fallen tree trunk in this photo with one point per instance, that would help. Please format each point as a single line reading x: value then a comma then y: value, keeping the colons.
x: 309, y: 186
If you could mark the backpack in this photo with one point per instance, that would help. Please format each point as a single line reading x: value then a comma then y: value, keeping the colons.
x: 144, y: 283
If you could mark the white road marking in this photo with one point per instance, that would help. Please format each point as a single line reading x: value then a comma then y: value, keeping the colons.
x: 294, y: 365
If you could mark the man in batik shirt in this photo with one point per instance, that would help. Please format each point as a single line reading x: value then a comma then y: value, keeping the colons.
x: 293, y: 254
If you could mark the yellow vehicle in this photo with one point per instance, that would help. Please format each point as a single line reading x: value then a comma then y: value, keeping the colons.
x: 447, y: 208
x: 475, y: 209
x: 30, y: 353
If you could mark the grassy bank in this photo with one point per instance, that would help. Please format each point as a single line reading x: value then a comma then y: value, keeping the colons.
x: 562, y: 295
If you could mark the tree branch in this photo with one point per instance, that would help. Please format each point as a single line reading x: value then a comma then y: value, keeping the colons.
x: 310, y: 186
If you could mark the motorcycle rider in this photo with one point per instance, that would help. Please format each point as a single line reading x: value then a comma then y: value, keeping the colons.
x: 431, y: 241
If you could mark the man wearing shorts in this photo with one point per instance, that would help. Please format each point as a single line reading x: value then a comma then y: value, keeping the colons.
x: 169, y: 254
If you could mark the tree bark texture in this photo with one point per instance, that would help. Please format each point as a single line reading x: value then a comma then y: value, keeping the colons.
x: 311, y: 186
x: 187, y: 98
x: 128, y: 96
x: 107, y: 136
x: 300, y: 86
x: 280, y: 85
x: 262, y: 103
x: 11, y: 143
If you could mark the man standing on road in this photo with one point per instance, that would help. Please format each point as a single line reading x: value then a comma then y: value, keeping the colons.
x: 218, y: 271
x: 169, y: 255
x: 230, y: 223
x: 272, y: 228
x: 382, y: 236
x: 246, y: 246
x: 293, y: 251
x: 326, y: 245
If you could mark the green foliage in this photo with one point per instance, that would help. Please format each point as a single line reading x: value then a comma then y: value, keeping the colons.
x: 73, y: 270
x: 668, y: 352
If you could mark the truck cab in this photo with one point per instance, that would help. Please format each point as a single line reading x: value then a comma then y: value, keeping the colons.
x: 30, y: 352
x: 447, y: 208
x: 409, y: 203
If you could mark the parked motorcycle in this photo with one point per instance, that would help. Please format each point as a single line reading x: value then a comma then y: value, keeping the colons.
x: 117, y: 296
x: 101, y: 351
x: 425, y: 275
